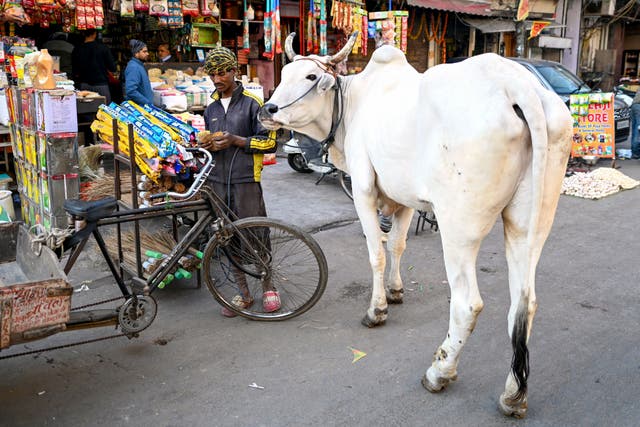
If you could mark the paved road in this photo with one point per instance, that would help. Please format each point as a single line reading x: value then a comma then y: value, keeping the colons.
x: 194, y: 367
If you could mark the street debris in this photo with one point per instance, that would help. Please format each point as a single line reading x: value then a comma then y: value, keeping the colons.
x: 83, y: 286
x: 254, y: 385
x: 357, y: 354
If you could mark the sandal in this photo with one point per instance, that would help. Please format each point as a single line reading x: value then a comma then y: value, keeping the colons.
x: 239, y: 302
x: 271, y: 301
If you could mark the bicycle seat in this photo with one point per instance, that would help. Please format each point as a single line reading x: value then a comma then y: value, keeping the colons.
x: 91, y: 210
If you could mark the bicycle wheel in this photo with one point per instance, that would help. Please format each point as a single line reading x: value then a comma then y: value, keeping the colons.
x: 345, y: 183
x: 265, y: 254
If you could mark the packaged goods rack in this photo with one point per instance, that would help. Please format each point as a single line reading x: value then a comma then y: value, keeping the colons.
x: 120, y: 160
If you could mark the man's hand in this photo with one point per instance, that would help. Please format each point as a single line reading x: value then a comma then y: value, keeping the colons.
x: 220, y: 140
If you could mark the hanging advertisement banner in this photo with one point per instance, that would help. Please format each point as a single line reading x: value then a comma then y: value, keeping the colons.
x: 537, y: 27
x: 523, y: 10
x: 593, y: 125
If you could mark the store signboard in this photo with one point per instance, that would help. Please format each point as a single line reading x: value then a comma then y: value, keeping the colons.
x: 593, y: 125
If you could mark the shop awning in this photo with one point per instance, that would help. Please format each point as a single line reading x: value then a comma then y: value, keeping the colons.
x: 501, y: 25
x: 480, y: 7
x: 492, y: 25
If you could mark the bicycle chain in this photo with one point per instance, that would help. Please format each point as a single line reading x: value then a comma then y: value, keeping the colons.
x: 96, y: 303
x: 42, y: 350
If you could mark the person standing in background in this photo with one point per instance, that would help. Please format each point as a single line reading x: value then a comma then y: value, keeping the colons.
x: 635, y: 122
x: 91, y: 63
x: 136, y: 79
x: 164, y: 53
x: 58, y: 45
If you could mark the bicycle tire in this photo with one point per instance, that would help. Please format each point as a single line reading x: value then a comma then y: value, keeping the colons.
x: 345, y: 183
x: 300, y: 273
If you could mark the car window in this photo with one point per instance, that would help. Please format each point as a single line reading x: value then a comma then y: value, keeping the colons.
x: 562, y: 81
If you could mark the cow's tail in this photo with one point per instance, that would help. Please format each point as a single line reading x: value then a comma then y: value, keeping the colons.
x: 520, y: 359
x: 532, y: 108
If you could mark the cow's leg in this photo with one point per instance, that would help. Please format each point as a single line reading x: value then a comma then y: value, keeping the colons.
x: 396, y: 245
x: 460, y: 255
x: 377, y: 312
x: 364, y: 199
x: 522, y: 257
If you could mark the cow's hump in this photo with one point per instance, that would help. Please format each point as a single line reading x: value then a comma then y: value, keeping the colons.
x: 388, y: 55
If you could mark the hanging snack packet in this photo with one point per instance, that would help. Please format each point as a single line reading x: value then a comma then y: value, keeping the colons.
x: 126, y: 8
x: 141, y: 5
x: 158, y: 8
x: 190, y: 8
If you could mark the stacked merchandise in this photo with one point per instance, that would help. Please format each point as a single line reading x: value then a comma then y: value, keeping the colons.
x: 390, y: 26
x: 350, y: 16
x: 45, y: 145
x: 14, y: 50
x: 159, y: 139
x: 83, y: 14
x: 19, y: 56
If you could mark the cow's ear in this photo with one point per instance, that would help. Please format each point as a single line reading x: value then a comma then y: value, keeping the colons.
x: 326, y: 82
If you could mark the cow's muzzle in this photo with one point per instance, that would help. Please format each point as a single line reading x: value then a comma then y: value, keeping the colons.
x: 265, y: 115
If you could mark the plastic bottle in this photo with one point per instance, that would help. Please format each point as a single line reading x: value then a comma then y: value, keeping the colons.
x: 44, y: 74
x: 183, y: 274
x: 166, y: 281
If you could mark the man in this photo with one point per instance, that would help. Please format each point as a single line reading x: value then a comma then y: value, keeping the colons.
x: 136, y: 80
x: 91, y: 62
x: 164, y: 54
x: 238, y: 142
x: 59, y: 46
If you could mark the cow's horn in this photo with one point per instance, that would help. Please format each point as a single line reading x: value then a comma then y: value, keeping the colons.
x: 346, y: 49
x: 288, y: 46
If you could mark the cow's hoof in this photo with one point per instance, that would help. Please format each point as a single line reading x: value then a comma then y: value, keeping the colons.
x: 394, y: 296
x: 380, y: 316
x: 434, y: 385
x: 512, y: 407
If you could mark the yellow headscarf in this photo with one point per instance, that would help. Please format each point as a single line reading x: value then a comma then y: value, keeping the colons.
x: 220, y: 59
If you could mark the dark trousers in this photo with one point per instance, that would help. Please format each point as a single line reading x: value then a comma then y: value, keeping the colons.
x: 243, y: 199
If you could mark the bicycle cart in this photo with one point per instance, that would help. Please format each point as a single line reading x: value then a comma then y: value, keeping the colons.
x: 240, y: 257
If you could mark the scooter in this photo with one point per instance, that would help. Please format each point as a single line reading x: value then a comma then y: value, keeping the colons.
x: 306, y: 155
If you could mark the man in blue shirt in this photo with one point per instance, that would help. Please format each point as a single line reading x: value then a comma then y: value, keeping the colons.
x: 136, y: 80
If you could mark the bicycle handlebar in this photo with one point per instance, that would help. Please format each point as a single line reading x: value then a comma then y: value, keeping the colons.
x: 197, y: 182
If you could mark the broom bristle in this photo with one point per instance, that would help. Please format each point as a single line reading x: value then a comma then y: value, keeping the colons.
x: 103, y: 186
x: 156, y: 242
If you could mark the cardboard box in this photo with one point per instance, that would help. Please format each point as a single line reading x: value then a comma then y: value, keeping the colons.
x: 16, y: 141
x: 56, y: 111
x: 58, y: 153
x: 27, y: 108
x: 29, y: 146
x: 54, y: 190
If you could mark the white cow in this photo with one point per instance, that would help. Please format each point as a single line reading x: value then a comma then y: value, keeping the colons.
x: 473, y: 140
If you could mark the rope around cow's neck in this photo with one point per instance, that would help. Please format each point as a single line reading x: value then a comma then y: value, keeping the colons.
x: 337, y: 116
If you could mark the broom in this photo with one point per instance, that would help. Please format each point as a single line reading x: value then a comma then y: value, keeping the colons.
x: 103, y: 186
x: 89, y: 162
